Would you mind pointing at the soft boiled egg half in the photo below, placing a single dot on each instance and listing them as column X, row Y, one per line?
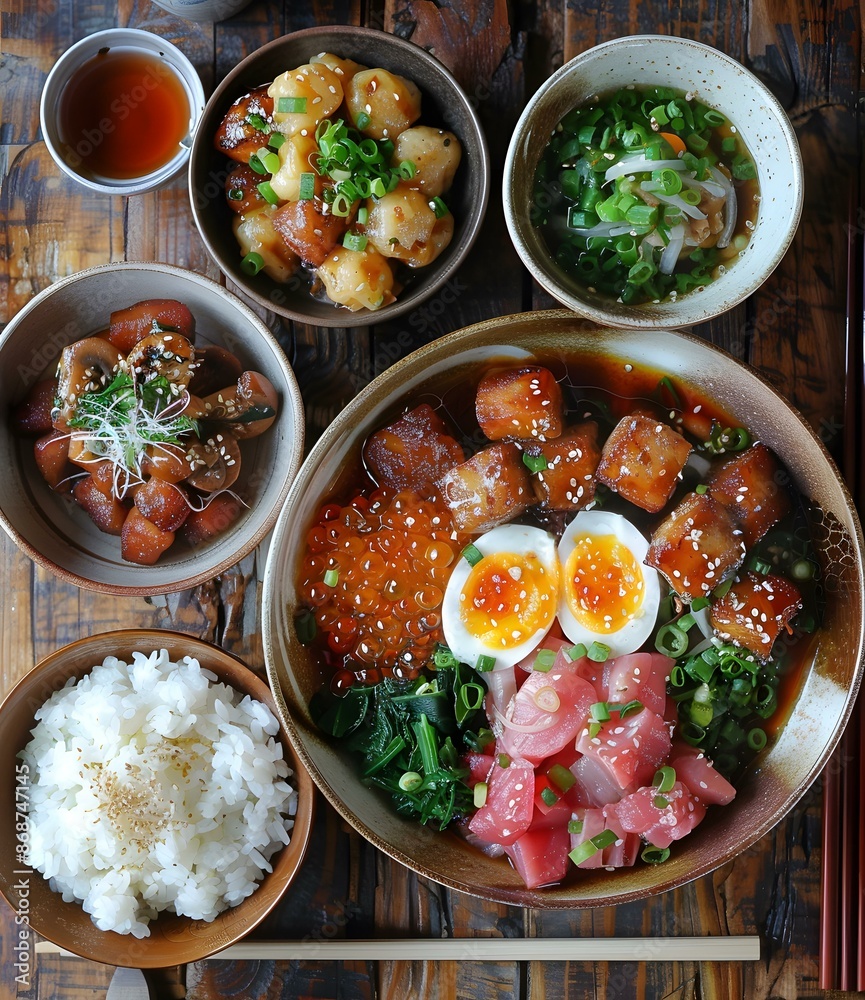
column 502, row 595
column 607, row 593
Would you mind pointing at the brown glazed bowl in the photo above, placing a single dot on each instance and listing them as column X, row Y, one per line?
column 173, row 940
column 52, row 529
column 444, row 105
column 831, row 675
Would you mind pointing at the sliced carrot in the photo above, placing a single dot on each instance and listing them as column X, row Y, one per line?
column 675, row 141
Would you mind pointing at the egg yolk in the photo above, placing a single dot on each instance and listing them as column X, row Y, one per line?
column 507, row 598
column 603, row 583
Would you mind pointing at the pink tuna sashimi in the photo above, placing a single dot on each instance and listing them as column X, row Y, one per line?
column 659, row 826
column 528, row 729
column 622, row 853
column 479, row 766
column 695, row 770
column 631, row 749
column 541, row 855
column 640, row 677
column 501, row 687
column 507, row 812
column 595, row 781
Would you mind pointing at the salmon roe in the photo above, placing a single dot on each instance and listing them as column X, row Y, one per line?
column 374, row 575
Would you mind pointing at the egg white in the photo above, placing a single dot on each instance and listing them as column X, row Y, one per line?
column 518, row 539
column 638, row 627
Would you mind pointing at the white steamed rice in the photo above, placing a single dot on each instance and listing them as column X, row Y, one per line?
column 154, row 787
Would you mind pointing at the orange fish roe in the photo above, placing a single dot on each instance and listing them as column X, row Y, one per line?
column 374, row 576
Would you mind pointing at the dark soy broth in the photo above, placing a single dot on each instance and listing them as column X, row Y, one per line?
column 123, row 115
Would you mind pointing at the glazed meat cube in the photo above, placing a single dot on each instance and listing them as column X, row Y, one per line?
column 491, row 487
column 520, row 403
column 218, row 516
column 568, row 481
column 642, row 461
column 33, row 414
column 754, row 486
column 697, row 546
column 107, row 513
column 307, row 231
column 141, row 541
column 52, row 458
column 239, row 135
column 414, row 452
column 131, row 325
column 754, row 610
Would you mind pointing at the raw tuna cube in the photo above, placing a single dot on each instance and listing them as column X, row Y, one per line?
column 533, row 732
column 519, row 403
column 541, row 855
column 414, row 452
column 595, row 784
column 697, row 546
column 568, row 481
column 626, row 849
column 631, row 749
column 642, row 461
column 696, row 772
column 594, row 822
column 660, row 826
column 490, row 488
column 755, row 488
column 640, row 677
column 509, row 808
column 479, row 766
column 307, row 231
column 754, row 610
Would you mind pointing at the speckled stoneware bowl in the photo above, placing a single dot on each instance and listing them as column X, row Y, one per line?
column 718, row 81
column 173, row 940
column 831, row 678
column 51, row 528
column 444, row 105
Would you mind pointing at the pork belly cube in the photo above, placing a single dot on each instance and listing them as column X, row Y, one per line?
column 568, row 481
column 697, row 546
column 307, row 231
column 520, row 403
column 755, row 487
column 642, row 461
column 491, row 487
column 414, row 452
column 754, row 610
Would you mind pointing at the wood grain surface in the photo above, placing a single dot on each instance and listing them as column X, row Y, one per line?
column 793, row 330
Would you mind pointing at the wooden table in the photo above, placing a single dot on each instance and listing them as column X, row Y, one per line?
column 793, row 331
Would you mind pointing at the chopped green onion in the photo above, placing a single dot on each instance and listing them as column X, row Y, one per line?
column 757, row 738
column 267, row 192
column 504, row 760
column 598, row 652
column 485, row 663
column 362, row 215
column 534, row 463
column 631, row 708
column 305, row 626
column 802, row 569
column 671, row 640
column 699, row 603
column 575, row 826
column 291, row 105
column 583, row 852
column 307, row 186
column 604, row 839
column 236, row 194
column 599, row 711
column 576, row 652
column 655, row 855
column 549, row 797
column 594, row 729
column 544, row 660
column 256, row 164
column 268, row 159
column 362, row 120
column 472, row 554
column 659, row 802
column 443, row 658
column 406, row 170
column 354, row 241
column 665, row 778
column 410, row 781
column 258, row 122
column 276, row 140
column 331, row 577
column 439, row 207
column 701, row 714
column 561, row 777
column 252, row 263
column 665, row 384
column 480, row 794
column 341, row 205
column 686, row 623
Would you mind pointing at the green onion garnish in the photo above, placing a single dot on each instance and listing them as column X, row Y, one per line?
column 671, row 640
column 354, row 241
column 757, row 738
column 258, row 122
column 598, row 652
column 599, row 711
column 659, row 802
column 267, row 192
column 631, row 708
column 504, row 760
column 480, row 794
column 664, row 779
column 307, row 186
column 410, row 781
column 576, row 652
column 472, row 554
column 362, row 215
column 276, row 140
column 362, row 120
column 534, row 463
column 256, row 164
column 699, row 603
column 549, row 797
column 236, row 194
column 252, row 263
column 331, row 578
column 561, row 777
column 485, row 663
column 406, row 170
column 439, row 207
column 544, row 660
column 575, row 826
column 291, row 105
column 655, row 855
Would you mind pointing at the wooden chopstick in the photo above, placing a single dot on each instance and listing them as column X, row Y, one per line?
column 745, row 948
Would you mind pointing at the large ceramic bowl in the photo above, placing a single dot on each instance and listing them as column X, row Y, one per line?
column 716, row 80
column 50, row 528
column 173, row 940
column 444, row 105
column 831, row 677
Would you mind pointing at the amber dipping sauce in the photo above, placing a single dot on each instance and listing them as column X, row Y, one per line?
column 123, row 114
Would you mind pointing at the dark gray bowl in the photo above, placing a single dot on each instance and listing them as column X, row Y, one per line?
column 444, row 105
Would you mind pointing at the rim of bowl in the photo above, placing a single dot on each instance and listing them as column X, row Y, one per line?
column 292, row 402
column 342, row 317
column 634, row 318
column 382, row 387
column 260, row 691
column 74, row 57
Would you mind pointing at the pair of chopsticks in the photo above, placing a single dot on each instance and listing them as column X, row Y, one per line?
column 842, row 902
column 745, row 948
